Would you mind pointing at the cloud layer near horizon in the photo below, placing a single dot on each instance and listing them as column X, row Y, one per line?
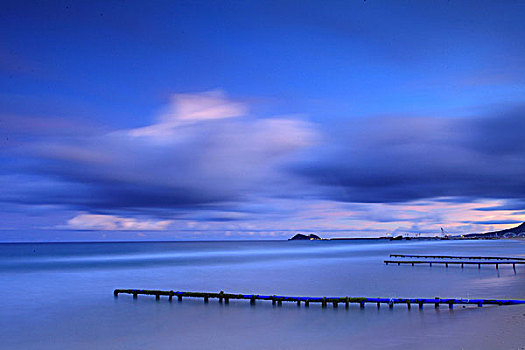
column 206, row 159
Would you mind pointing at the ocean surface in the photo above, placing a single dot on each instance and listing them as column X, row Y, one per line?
column 60, row 296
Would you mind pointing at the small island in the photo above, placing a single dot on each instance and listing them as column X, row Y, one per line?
column 301, row 237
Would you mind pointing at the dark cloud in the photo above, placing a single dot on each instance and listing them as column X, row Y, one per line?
column 496, row 222
column 398, row 159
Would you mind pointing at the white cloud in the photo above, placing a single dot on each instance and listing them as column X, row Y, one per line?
column 115, row 223
column 187, row 109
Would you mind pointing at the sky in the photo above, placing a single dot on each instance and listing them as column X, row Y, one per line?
column 211, row 120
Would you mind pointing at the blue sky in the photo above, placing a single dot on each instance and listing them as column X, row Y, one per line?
column 255, row 119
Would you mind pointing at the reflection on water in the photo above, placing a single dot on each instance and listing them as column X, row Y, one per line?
column 63, row 294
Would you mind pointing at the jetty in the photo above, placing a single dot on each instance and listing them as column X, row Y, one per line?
column 324, row 301
column 454, row 257
column 455, row 262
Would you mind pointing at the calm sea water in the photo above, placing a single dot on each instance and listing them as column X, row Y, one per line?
column 59, row 296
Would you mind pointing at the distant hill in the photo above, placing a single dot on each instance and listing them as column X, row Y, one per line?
column 515, row 232
column 301, row 237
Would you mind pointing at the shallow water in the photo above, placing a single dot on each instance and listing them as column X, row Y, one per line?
column 59, row 296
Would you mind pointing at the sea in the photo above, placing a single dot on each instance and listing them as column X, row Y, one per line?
column 60, row 295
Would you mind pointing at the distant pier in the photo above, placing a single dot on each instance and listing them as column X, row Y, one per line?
column 454, row 257
column 324, row 301
column 454, row 262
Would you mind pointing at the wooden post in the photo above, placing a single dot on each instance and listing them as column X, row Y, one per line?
column 115, row 293
column 206, row 299
column 446, row 264
column 334, row 304
column 378, row 305
column 179, row 297
column 135, row 295
column 436, row 304
column 307, row 303
column 252, row 300
column 279, row 302
column 450, row 306
column 420, row 305
column 346, row 302
column 496, row 266
column 362, row 305
column 226, row 300
column 408, row 304
column 461, row 265
column 323, row 303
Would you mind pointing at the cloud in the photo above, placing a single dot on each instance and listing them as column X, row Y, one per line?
column 186, row 109
column 115, row 223
column 203, row 149
column 208, row 164
column 400, row 159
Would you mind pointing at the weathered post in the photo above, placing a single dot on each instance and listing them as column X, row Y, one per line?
column 135, row 295
column 436, row 304
column 408, row 304
column 323, row 303
column 307, row 303
column 362, row 304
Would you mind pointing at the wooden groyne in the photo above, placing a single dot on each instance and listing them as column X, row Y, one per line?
column 454, row 262
column 454, row 257
column 324, row 301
